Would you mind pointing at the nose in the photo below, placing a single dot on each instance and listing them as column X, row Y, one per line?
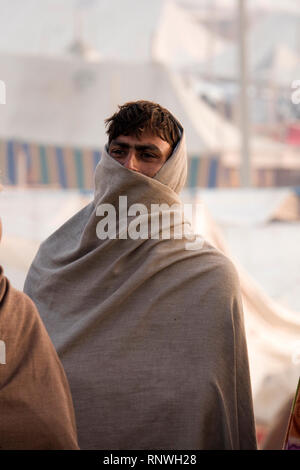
column 131, row 161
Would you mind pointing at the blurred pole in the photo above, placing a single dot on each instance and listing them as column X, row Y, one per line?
column 245, row 168
column 210, row 44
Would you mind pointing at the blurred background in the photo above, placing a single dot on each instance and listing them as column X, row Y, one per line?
column 229, row 70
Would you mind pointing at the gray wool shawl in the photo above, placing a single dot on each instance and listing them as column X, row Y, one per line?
column 151, row 335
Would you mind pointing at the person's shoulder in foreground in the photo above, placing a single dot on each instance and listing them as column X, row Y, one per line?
column 153, row 339
column 35, row 403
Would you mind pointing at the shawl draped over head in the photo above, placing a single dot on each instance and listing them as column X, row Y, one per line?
column 36, row 410
column 151, row 334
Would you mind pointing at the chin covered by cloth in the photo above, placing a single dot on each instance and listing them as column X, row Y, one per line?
column 150, row 334
column 36, row 410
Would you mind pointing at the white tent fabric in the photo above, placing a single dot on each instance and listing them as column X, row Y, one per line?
column 223, row 6
column 281, row 66
column 109, row 30
column 270, row 253
column 111, row 27
column 247, row 206
column 65, row 102
column 223, row 137
column 180, row 41
column 265, row 43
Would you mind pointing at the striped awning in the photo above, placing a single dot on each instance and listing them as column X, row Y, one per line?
column 32, row 164
column 36, row 164
column 204, row 172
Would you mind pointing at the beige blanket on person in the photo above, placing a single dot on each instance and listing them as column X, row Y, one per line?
column 151, row 334
column 36, row 410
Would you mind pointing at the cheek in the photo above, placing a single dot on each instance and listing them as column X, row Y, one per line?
column 151, row 169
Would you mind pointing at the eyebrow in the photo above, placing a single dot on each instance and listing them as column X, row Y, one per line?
column 122, row 144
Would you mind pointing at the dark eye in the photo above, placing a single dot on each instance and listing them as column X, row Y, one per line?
column 117, row 152
column 148, row 155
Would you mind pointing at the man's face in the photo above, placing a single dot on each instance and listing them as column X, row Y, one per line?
column 145, row 155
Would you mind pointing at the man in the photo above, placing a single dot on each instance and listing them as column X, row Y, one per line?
column 150, row 332
column 36, row 410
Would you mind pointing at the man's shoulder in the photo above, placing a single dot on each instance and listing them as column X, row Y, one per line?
column 211, row 262
column 224, row 267
column 218, row 288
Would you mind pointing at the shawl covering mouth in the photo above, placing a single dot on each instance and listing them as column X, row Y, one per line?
column 36, row 410
column 150, row 334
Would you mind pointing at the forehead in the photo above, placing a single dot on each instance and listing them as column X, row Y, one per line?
column 145, row 140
